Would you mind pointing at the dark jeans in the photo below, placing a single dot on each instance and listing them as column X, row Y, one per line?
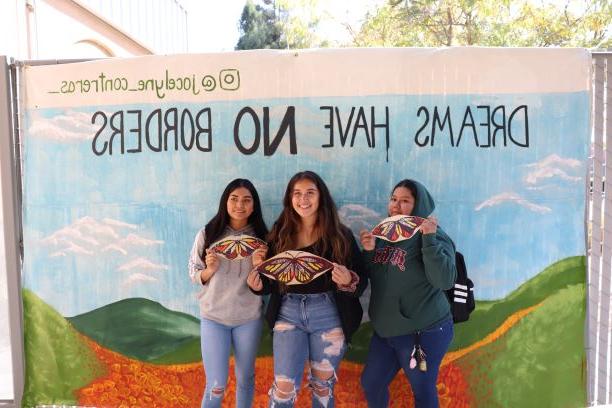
column 387, row 355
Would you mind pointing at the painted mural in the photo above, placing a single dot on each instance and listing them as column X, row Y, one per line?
column 124, row 160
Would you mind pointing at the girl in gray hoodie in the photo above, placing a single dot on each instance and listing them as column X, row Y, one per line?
column 230, row 312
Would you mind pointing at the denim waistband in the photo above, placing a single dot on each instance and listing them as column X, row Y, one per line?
column 300, row 296
column 446, row 319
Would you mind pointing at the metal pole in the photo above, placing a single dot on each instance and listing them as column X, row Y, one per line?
column 12, row 232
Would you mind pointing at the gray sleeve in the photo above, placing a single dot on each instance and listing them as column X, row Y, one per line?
column 196, row 263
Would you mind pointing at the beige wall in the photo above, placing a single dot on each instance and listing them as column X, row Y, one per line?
column 6, row 366
column 13, row 39
column 61, row 29
column 58, row 29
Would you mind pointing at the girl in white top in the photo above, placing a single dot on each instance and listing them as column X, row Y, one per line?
column 230, row 312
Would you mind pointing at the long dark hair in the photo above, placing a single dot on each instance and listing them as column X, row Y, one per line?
column 217, row 224
column 328, row 228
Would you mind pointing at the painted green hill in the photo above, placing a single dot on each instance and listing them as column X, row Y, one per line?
column 191, row 352
column 176, row 349
column 57, row 359
column 139, row 328
column 188, row 352
column 539, row 363
column 489, row 315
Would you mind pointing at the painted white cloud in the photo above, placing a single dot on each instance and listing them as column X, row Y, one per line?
column 358, row 217
column 71, row 127
column 552, row 166
column 555, row 159
column 512, row 198
column 68, row 234
column 113, row 247
column 116, row 223
column 86, row 236
column 95, row 227
column 133, row 239
column 534, row 176
column 76, row 249
column 141, row 264
column 137, row 278
column 356, row 211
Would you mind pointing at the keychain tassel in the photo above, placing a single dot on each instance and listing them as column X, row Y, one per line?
column 413, row 361
column 420, row 356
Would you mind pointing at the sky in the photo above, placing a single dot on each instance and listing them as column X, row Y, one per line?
column 121, row 226
column 213, row 31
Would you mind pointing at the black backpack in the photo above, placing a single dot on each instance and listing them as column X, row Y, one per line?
column 461, row 296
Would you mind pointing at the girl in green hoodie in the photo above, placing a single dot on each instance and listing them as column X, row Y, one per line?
column 410, row 314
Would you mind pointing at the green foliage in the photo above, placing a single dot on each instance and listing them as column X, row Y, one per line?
column 259, row 28
column 139, row 328
column 58, row 362
column 432, row 23
column 276, row 24
column 546, row 25
column 299, row 20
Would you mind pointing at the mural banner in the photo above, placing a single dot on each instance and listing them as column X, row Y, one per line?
column 124, row 160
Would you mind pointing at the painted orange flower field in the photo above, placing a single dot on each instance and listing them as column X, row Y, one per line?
column 131, row 383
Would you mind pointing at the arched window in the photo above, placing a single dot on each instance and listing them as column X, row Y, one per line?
column 90, row 48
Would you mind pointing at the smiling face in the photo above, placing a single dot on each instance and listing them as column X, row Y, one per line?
column 305, row 199
column 401, row 202
column 239, row 207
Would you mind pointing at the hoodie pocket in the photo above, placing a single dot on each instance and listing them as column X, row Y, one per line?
column 387, row 309
column 405, row 308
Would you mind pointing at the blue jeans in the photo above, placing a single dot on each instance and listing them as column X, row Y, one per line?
column 307, row 327
column 216, row 340
column 387, row 355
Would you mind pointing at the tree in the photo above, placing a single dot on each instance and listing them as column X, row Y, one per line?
column 259, row 28
column 570, row 26
column 484, row 22
column 280, row 24
column 299, row 20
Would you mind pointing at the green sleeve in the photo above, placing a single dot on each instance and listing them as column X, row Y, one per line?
column 359, row 267
column 439, row 260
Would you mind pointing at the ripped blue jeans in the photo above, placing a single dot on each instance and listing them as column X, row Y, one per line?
column 308, row 327
column 216, row 341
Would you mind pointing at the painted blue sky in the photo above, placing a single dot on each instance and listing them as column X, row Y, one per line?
column 102, row 228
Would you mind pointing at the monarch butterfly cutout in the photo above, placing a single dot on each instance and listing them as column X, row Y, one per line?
column 237, row 247
column 294, row 267
column 398, row 227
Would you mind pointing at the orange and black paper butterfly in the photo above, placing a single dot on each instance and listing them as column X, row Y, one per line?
column 294, row 267
column 398, row 227
column 237, row 246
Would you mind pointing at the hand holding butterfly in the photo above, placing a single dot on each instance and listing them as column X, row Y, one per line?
column 368, row 240
column 341, row 275
column 212, row 264
column 430, row 225
column 254, row 281
column 259, row 255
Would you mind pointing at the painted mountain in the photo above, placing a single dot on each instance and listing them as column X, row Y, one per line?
column 532, row 336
